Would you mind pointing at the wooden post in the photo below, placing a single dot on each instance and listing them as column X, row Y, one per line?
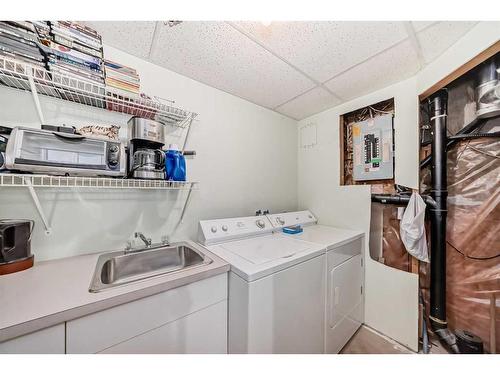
column 493, row 331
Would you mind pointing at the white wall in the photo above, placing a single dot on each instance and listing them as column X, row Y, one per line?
column 391, row 298
column 246, row 160
column 349, row 206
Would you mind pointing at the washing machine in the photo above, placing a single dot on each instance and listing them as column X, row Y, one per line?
column 344, row 273
column 276, row 286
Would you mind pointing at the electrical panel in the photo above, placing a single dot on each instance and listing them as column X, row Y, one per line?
column 373, row 149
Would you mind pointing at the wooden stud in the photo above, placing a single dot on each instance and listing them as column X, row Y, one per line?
column 493, row 331
column 342, row 149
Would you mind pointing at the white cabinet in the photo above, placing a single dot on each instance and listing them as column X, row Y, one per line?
column 46, row 341
column 203, row 332
column 195, row 313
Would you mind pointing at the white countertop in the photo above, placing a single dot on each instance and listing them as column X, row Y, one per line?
column 56, row 291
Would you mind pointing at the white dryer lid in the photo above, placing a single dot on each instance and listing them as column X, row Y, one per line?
column 325, row 235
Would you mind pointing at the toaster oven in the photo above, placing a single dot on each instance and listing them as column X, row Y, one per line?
column 43, row 151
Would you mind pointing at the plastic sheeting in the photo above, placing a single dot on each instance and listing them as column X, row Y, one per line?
column 394, row 253
column 473, row 235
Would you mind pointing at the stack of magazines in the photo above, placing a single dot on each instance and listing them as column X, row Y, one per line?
column 19, row 40
column 75, row 50
column 121, row 80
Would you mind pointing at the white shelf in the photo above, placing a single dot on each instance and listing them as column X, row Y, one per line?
column 46, row 181
column 18, row 74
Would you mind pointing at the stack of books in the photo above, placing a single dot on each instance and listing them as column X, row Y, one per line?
column 70, row 56
column 19, row 41
column 121, row 80
column 75, row 50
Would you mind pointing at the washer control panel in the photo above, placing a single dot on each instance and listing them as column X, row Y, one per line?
column 288, row 219
column 221, row 230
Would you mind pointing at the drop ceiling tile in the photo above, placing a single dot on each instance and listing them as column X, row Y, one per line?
column 437, row 38
column 323, row 49
column 305, row 105
column 133, row 37
column 391, row 66
column 420, row 25
column 220, row 56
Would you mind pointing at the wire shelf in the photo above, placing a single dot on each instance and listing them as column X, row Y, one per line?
column 46, row 181
column 17, row 74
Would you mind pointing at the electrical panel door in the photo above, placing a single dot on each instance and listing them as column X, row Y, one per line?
column 373, row 149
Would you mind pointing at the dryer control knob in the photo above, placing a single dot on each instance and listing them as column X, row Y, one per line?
column 213, row 229
column 280, row 221
column 261, row 224
column 224, row 228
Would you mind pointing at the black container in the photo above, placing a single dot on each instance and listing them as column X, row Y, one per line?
column 468, row 343
column 15, row 240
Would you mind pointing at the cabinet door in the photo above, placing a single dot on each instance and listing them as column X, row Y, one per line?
column 96, row 332
column 46, row 341
column 203, row 332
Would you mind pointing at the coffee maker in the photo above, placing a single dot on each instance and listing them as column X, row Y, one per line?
column 146, row 160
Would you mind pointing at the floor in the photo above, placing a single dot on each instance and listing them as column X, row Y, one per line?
column 369, row 341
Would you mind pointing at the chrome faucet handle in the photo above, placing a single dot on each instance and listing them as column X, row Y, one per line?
column 165, row 240
column 147, row 241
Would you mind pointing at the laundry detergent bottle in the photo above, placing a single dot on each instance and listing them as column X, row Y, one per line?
column 175, row 164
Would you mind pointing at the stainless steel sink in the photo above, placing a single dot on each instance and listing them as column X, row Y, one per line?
column 118, row 268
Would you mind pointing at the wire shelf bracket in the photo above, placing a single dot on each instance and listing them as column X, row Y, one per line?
column 38, row 206
column 36, row 99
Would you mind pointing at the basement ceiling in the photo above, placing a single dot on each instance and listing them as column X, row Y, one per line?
column 295, row 68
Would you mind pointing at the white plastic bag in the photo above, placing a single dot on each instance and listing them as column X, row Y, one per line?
column 412, row 228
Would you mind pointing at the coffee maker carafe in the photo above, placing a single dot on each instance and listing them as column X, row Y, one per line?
column 146, row 160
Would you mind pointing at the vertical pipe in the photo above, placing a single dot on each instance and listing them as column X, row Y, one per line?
column 438, row 213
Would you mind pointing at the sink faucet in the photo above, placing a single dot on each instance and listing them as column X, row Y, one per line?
column 147, row 241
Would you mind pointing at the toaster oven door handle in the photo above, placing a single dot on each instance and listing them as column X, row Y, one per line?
column 68, row 136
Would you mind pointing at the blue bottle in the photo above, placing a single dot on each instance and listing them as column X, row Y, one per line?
column 175, row 164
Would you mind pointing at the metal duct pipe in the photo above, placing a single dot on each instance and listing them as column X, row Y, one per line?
column 487, row 100
column 438, row 212
column 487, row 89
